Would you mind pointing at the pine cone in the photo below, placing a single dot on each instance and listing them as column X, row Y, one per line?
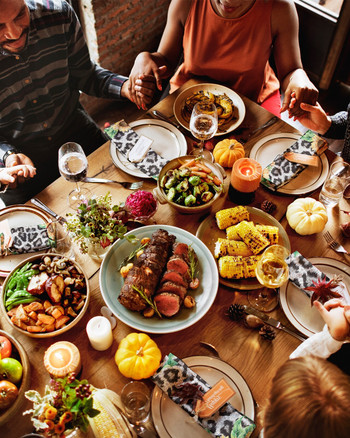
column 268, row 206
column 267, row 332
column 236, row 312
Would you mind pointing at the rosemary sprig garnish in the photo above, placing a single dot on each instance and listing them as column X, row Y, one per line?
column 193, row 260
column 148, row 300
column 131, row 255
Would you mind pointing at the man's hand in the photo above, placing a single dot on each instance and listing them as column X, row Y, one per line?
column 315, row 118
column 18, row 159
column 336, row 316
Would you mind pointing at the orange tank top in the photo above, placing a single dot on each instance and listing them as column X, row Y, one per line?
column 231, row 51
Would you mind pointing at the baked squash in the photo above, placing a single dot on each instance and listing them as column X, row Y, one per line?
column 307, row 216
column 227, row 151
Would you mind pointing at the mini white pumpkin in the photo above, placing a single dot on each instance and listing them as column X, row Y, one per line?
column 307, row 216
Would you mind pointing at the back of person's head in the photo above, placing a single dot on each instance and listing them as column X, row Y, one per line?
column 309, row 398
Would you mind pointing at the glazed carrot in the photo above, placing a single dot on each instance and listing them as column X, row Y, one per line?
column 204, row 167
column 202, row 174
column 188, row 163
column 216, row 181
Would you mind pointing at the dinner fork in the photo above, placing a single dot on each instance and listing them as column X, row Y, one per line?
column 334, row 244
column 127, row 185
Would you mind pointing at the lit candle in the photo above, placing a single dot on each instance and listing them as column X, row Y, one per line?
column 245, row 179
column 99, row 332
column 62, row 358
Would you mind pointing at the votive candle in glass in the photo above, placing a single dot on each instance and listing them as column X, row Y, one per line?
column 245, row 179
column 62, row 358
column 99, row 332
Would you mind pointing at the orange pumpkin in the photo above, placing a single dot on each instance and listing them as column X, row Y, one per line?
column 227, row 151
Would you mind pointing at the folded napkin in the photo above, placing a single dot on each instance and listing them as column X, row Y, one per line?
column 136, row 149
column 226, row 422
column 280, row 171
column 24, row 239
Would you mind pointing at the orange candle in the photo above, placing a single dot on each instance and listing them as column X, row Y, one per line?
column 246, row 175
column 62, row 358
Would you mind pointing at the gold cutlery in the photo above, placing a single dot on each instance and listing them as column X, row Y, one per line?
column 334, row 244
column 127, row 185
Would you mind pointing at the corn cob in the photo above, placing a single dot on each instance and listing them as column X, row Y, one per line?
column 231, row 232
column 236, row 267
column 252, row 237
column 231, row 247
column 270, row 232
column 250, row 265
column 231, row 216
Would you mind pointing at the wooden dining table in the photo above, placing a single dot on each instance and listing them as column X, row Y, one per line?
column 255, row 358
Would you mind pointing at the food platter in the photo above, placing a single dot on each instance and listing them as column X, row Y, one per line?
column 239, row 107
column 308, row 180
column 171, row 421
column 167, row 141
column 296, row 304
column 19, row 215
column 111, row 283
column 208, row 232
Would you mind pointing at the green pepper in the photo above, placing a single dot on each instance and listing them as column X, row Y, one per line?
column 171, row 194
column 207, row 196
column 190, row 200
column 194, row 180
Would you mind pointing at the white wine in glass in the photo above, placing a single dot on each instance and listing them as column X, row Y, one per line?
column 272, row 272
column 203, row 125
column 73, row 165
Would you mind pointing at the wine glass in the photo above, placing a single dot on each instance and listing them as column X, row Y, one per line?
column 203, row 125
column 272, row 272
column 72, row 164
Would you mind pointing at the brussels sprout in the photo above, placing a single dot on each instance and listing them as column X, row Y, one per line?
column 207, row 196
column 171, row 193
column 182, row 186
column 171, row 182
column 203, row 187
column 164, row 180
column 185, row 171
column 194, row 180
column 190, row 200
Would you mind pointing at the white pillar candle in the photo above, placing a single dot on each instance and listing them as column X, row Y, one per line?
column 99, row 332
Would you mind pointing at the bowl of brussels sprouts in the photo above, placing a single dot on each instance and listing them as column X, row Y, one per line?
column 190, row 184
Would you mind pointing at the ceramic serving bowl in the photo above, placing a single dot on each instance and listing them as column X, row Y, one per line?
column 161, row 196
column 74, row 297
column 19, row 353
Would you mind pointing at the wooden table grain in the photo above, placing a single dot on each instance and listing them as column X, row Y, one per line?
column 254, row 358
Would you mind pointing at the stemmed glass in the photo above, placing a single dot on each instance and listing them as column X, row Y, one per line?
column 72, row 164
column 203, row 125
column 272, row 272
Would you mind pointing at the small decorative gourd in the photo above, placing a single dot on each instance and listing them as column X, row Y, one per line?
column 138, row 356
column 227, row 151
column 307, row 216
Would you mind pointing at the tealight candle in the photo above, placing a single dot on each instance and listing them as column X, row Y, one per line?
column 62, row 358
column 245, row 179
column 99, row 332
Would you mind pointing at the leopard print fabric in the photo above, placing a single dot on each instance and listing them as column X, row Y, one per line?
column 28, row 239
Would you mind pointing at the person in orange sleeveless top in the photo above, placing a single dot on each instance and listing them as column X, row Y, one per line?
column 230, row 42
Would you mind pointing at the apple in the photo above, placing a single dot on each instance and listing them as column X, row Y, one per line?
column 5, row 347
column 8, row 394
column 11, row 369
column 54, row 287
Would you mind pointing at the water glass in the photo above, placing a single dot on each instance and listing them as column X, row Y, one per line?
column 136, row 398
column 333, row 187
column 62, row 241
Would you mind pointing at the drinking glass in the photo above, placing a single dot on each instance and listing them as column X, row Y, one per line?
column 62, row 241
column 72, row 164
column 333, row 187
column 135, row 397
column 272, row 272
column 203, row 125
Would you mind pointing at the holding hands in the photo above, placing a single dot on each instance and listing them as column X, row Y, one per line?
column 9, row 175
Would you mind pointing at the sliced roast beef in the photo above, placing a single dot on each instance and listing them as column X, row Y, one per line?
column 181, row 249
column 168, row 304
column 175, row 277
column 177, row 264
column 174, row 288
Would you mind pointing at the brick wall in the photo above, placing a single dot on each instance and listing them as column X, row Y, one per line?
column 125, row 28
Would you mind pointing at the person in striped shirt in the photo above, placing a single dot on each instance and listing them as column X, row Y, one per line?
column 44, row 64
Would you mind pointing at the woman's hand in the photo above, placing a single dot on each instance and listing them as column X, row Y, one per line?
column 336, row 316
column 314, row 118
column 28, row 171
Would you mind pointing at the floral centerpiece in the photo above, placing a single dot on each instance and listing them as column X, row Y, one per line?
column 98, row 222
column 66, row 405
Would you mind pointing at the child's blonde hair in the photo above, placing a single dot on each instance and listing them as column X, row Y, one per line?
column 309, row 398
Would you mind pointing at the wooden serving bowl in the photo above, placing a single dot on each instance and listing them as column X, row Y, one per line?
column 19, row 353
column 61, row 330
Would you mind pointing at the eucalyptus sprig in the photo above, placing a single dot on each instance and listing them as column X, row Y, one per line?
column 148, row 300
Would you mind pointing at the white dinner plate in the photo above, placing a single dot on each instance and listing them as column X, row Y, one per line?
column 171, row 421
column 19, row 215
column 308, row 180
column 167, row 141
column 239, row 107
column 297, row 305
column 208, row 232
column 111, row 283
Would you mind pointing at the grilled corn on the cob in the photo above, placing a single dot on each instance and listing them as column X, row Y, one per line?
column 252, row 237
column 231, row 216
column 270, row 232
column 231, row 232
column 231, row 247
column 237, row 267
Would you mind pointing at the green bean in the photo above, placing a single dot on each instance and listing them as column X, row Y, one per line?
column 21, row 301
column 18, row 294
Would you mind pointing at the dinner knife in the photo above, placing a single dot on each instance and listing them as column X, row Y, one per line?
column 166, row 119
column 48, row 210
column 271, row 321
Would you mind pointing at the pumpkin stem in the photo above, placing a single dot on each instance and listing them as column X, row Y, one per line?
column 139, row 352
column 309, row 212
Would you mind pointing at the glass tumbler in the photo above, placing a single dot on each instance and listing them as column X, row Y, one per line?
column 333, row 187
column 136, row 398
column 62, row 243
